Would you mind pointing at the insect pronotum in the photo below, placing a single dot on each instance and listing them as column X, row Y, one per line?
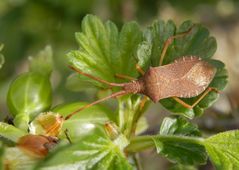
column 186, row 77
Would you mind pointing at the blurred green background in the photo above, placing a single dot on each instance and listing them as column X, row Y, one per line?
column 27, row 26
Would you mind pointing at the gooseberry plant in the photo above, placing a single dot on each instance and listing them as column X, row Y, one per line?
column 100, row 137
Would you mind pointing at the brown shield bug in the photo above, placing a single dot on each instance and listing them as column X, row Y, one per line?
column 186, row 77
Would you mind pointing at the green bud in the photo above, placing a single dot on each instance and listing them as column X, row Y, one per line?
column 29, row 95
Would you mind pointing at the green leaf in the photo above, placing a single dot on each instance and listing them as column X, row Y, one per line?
column 92, row 152
column 76, row 82
column 223, row 150
column 42, row 63
column 178, row 126
column 184, row 150
column 182, row 167
column 104, row 51
column 156, row 35
column 17, row 159
column 10, row 132
column 198, row 43
column 84, row 122
column 144, row 54
column 141, row 126
column 181, row 149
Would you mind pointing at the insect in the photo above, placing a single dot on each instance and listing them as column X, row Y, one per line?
column 37, row 145
column 186, row 77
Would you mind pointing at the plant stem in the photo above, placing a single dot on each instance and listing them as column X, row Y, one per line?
column 127, row 111
column 137, row 162
column 145, row 142
column 138, row 114
column 10, row 132
column 21, row 121
column 121, row 116
column 140, row 143
column 128, row 117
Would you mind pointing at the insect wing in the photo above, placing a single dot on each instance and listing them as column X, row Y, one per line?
column 194, row 76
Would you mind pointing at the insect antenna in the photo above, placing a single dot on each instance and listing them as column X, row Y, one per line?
column 116, row 94
column 120, row 93
column 96, row 78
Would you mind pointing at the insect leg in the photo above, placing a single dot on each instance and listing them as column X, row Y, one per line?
column 121, row 76
column 96, row 78
column 198, row 100
column 142, row 102
column 139, row 69
column 68, row 136
column 116, row 94
column 169, row 41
